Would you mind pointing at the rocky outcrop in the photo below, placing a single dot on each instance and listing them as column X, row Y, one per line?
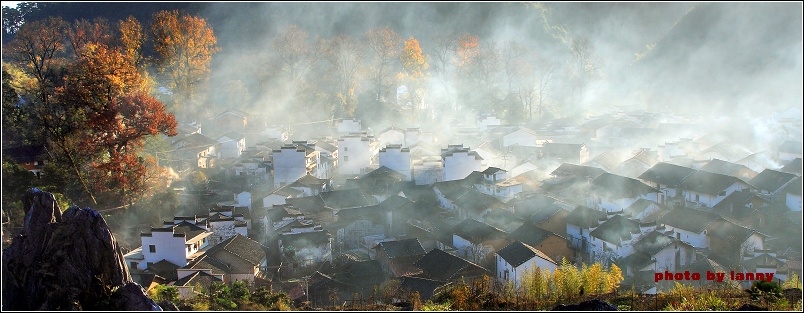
column 591, row 305
column 68, row 261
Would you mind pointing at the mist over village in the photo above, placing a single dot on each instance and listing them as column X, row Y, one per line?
column 436, row 156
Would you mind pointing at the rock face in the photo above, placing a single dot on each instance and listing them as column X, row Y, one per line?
column 591, row 305
column 67, row 261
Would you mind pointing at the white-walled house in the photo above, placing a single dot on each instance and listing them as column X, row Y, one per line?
column 391, row 136
column 197, row 149
column 427, row 170
column 517, row 259
column 613, row 239
column 486, row 121
column 580, row 222
column 397, row 158
column 613, row 193
column 706, row 189
column 176, row 244
column 357, row 153
column 522, row 136
column 659, row 252
column 346, row 126
column 292, row 161
column 459, row 162
column 232, row 145
column 666, row 178
column 689, row 225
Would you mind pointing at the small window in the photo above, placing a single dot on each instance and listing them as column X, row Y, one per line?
column 345, row 149
column 134, row 265
column 152, row 248
column 346, row 158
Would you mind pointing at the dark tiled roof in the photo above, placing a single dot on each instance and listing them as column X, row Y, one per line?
column 476, row 231
column 723, row 167
column 794, row 167
column 738, row 204
column 617, row 186
column 562, row 149
column 207, row 262
column 475, row 201
column 189, row 230
column 528, row 204
column 401, row 248
column 546, row 212
column 425, row 287
column 639, row 206
column 729, row 232
column 530, row 235
column 198, row 278
column 165, row 269
column 349, row 198
column 503, row 219
column 771, row 180
column 441, row 265
column 689, row 219
column 518, row 252
column 308, row 239
column 708, row 183
column 667, row 174
column 585, row 217
column 580, row 171
column 616, row 230
column 244, row 247
column 653, row 242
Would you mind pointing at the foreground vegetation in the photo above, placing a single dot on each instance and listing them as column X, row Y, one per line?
column 568, row 287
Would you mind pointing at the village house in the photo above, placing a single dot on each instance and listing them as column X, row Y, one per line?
column 293, row 161
column 195, row 150
column 31, row 157
column 705, row 189
column 397, row 257
column 232, row 145
column 790, row 150
column 391, row 136
column 643, row 160
column 645, row 211
column 441, row 266
column 427, row 170
column 744, row 208
column 553, row 245
column 552, row 217
column 306, row 249
column 238, row 258
column 397, row 158
column 459, row 162
column 349, row 125
column 475, row 240
column 521, row 136
column 719, row 166
column 580, row 222
column 486, row 121
column 496, row 183
column 177, row 244
column 612, row 193
column 655, row 253
column 770, row 182
column 759, row 161
column 517, row 259
column 566, row 152
column 608, row 161
column 613, row 239
column 689, row 225
column 730, row 242
column 232, row 120
column 666, row 178
column 357, row 153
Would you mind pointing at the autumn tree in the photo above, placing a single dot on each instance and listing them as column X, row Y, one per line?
column 442, row 52
column 185, row 45
column 94, row 108
column 132, row 39
column 344, row 55
column 414, row 74
column 83, row 32
column 386, row 46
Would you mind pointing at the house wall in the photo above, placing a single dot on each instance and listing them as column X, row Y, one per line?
column 349, row 126
column 711, row 200
column 793, row 202
column 168, row 247
column 666, row 258
column 556, row 223
column 520, row 137
column 698, row 240
column 518, row 274
column 355, row 154
column 459, row 165
column 397, row 160
column 391, row 137
column 289, row 165
column 468, row 250
column 232, row 148
column 427, row 173
column 556, row 248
